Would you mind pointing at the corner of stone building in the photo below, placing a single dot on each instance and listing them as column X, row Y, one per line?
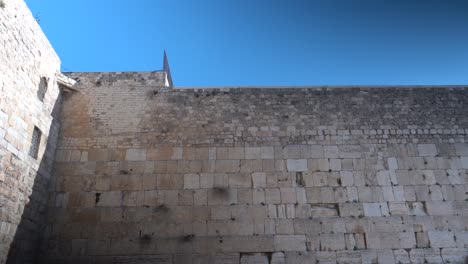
column 30, row 101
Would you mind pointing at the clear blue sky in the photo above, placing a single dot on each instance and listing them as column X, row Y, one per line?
column 264, row 42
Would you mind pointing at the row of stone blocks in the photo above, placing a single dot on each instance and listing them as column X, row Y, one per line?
column 265, row 152
column 401, row 256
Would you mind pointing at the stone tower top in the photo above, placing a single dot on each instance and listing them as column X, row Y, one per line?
column 167, row 70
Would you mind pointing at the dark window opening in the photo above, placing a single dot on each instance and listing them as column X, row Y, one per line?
column 42, row 89
column 35, row 142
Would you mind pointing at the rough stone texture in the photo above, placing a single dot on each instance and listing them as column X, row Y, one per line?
column 144, row 173
column 333, row 175
column 25, row 57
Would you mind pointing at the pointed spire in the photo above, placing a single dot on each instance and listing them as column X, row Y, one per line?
column 167, row 69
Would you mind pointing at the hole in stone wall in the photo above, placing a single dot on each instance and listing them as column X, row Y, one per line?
column 98, row 196
column 42, row 90
column 35, row 142
column 300, row 179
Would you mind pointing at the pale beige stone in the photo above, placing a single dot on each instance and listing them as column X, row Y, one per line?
column 441, row 239
column 227, row 166
column 427, row 150
column 135, row 154
column 290, row 243
column 253, row 153
column 191, row 181
column 267, row 153
column 297, row 164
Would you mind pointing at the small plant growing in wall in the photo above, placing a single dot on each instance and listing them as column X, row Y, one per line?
column 37, row 17
column 2, row 4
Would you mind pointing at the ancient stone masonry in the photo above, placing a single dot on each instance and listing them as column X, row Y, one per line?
column 124, row 168
column 259, row 175
column 29, row 100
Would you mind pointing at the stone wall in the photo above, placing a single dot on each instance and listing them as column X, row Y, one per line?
column 25, row 57
column 147, row 174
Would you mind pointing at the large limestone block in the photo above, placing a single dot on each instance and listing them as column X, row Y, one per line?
column 292, row 152
column 106, row 199
column 240, row 180
column 392, row 163
column 347, row 178
column 278, row 258
column 330, row 242
column 290, row 243
column 427, row 150
column 398, row 208
column 227, row 166
column 461, row 149
column 170, row 181
column 350, row 151
column 331, row 152
column 300, row 257
column 454, row 255
column 323, row 164
column 327, row 257
column 98, row 155
column 135, row 154
column 191, row 181
column 407, row 240
column 372, row 209
column 311, row 151
column 256, row 258
column 164, row 153
column 267, row 153
column 439, row 208
column 288, row 195
column 441, row 239
column 464, row 162
column 259, row 179
column 348, row 256
column 297, row 164
column 237, row 243
column 272, row 196
column 253, row 153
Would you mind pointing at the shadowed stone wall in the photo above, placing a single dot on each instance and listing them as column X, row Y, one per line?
column 147, row 174
column 25, row 57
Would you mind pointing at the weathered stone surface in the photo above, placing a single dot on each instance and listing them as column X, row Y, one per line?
column 146, row 172
column 427, row 150
column 30, row 100
column 135, row 154
column 330, row 242
column 290, row 243
column 255, row 258
column 441, row 239
column 297, row 165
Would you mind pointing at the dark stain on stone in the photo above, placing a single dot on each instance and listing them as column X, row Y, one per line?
column 162, row 208
column 145, row 238
column 187, row 238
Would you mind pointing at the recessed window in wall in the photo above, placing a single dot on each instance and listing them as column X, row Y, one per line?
column 35, row 142
column 42, row 89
